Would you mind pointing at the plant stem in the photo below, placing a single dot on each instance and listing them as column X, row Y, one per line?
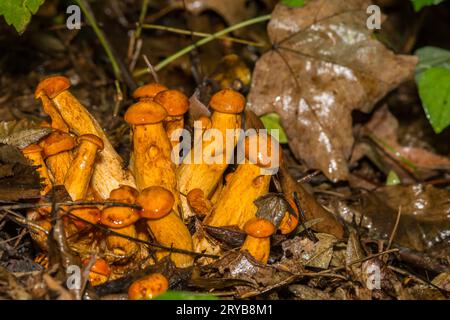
column 99, row 33
column 201, row 42
column 200, row 34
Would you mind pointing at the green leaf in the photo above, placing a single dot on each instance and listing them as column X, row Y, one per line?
column 18, row 12
column 419, row 4
column 434, row 91
column 271, row 122
column 392, row 179
column 185, row 295
column 430, row 57
column 293, row 3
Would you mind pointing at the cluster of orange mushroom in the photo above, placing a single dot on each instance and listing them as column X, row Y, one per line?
column 153, row 197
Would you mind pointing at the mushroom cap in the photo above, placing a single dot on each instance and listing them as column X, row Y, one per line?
column 175, row 102
column 32, row 148
column 156, row 202
column 92, row 138
column 123, row 193
column 227, row 101
column 52, row 86
column 205, row 122
column 148, row 287
column 89, row 214
column 262, row 157
column 100, row 266
column 119, row 217
column 149, row 90
column 259, row 228
column 57, row 142
column 145, row 112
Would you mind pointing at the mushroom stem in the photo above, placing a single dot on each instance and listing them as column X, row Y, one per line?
column 235, row 205
column 57, row 151
column 33, row 152
column 259, row 248
column 109, row 172
column 227, row 105
column 82, row 167
column 250, row 181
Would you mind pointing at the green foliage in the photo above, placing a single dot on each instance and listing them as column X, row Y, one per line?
column 430, row 57
column 293, row 3
column 434, row 91
column 419, row 4
column 392, row 179
column 185, row 295
column 271, row 122
column 18, row 12
column 433, row 80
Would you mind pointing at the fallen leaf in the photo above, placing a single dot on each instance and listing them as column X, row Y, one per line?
column 327, row 63
column 308, row 253
column 272, row 207
column 383, row 127
column 424, row 220
column 21, row 134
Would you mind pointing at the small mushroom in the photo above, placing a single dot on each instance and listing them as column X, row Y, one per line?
column 121, row 220
column 90, row 214
column 109, row 171
column 176, row 105
column 250, row 181
column 227, row 105
column 152, row 164
column 82, row 167
column 148, row 287
column 57, row 153
column 99, row 273
column 33, row 152
column 289, row 221
column 148, row 91
column 118, row 216
column 257, row 242
column 198, row 203
column 165, row 225
column 121, row 247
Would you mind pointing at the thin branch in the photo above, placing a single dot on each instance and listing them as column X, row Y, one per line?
column 201, row 34
column 202, row 42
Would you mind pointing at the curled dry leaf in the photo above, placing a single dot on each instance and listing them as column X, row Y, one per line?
column 327, row 63
column 383, row 126
column 21, row 134
column 272, row 207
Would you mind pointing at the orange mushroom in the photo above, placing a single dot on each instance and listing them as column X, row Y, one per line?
column 80, row 172
column 151, row 158
column 227, row 105
column 165, row 225
column 99, row 273
column 176, row 105
column 56, row 149
column 148, row 287
column 257, row 242
column 33, row 152
column 148, row 91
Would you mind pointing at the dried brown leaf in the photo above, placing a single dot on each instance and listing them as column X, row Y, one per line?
column 327, row 63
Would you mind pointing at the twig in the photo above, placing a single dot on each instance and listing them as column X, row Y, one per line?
column 201, row 34
column 394, row 230
column 202, row 42
column 99, row 33
column 150, row 244
column 150, row 68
